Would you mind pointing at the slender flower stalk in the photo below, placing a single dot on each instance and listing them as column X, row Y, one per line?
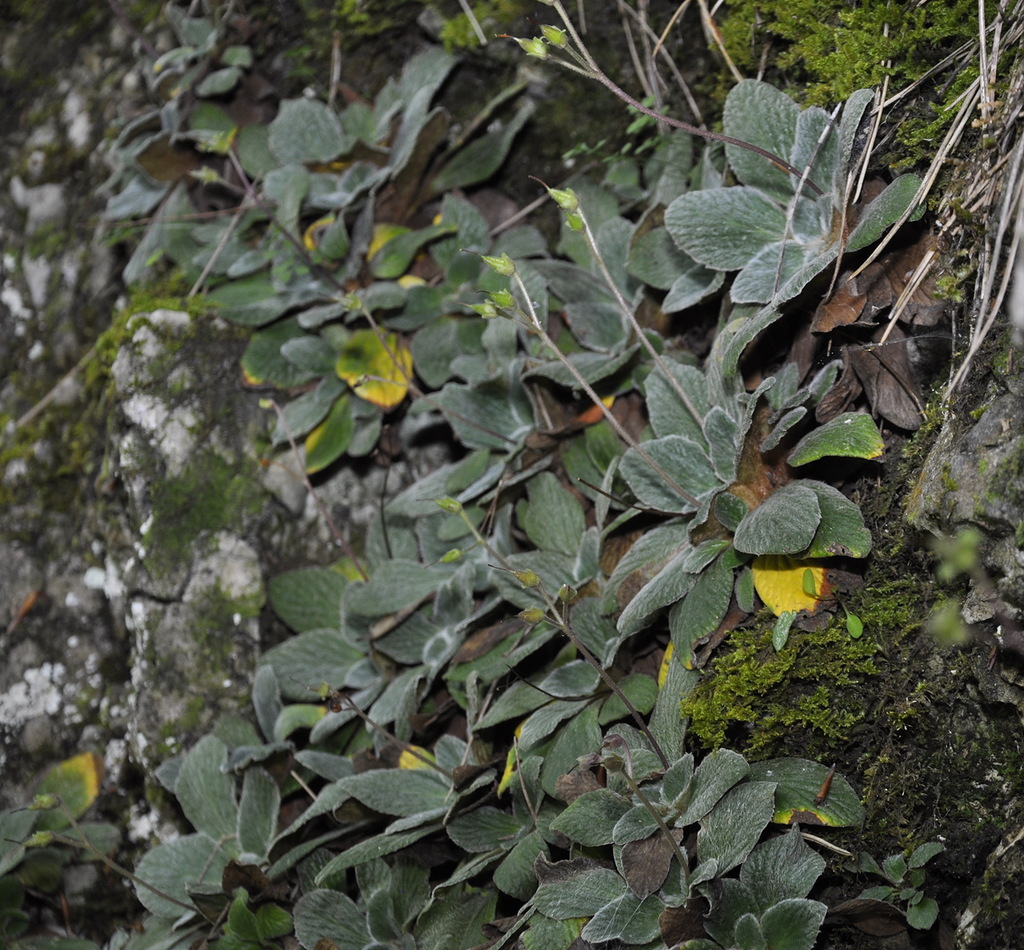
column 584, row 64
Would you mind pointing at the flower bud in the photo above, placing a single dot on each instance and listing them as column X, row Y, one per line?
column 531, row 615
column 45, row 801
column 450, row 557
column 566, row 593
column 526, row 577
column 555, row 36
column 504, row 265
column 534, row 47
column 503, row 298
column 486, row 310
column 565, row 198
column 450, row 505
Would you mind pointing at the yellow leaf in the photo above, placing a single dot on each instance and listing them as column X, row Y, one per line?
column 328, row 441
column 377, row 373
column 663, row 672
column 409, row 760
column 382, row 233
column 311, row 237
column 77, row 782
column 510, row 761
column 780, row 583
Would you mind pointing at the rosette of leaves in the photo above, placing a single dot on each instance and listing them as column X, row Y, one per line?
column 905, row 883
column 317, row 238
column 683, row 855
column 427, row 608
column 38, row 842
column 248, row 841
column 407, row 280
column 779, row 231
column 738, row 497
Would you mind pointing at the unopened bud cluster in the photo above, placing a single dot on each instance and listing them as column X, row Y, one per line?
column 538, row 45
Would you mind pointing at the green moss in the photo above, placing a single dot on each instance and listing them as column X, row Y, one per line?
column 211, row 495
column 810, row 689
column 458, row 32
column 890, row 609
column 38, row 51
column 362, row 18
column 48, row 241
column 75, row 430
column 829, row 48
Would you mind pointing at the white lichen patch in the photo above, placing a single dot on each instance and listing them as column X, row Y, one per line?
column 134, row 362
column 145, row 825
column 38, row 694
column 169, row 428
column 77, row 121
column 233, row 567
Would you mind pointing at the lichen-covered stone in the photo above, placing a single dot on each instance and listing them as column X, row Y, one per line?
column 974, row 478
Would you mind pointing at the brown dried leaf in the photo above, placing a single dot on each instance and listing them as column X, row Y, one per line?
column 571, row 786
column 860, row 299
column 558, row 872
column 870, row 916
column 889, row 381
column 841, row 396
column 645, row 863
column 483, row 641
column 164, row 160
column 842, row 308
column 679, row 924
column 248, row 876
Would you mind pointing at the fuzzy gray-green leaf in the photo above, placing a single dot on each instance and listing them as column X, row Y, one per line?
column 482, row 157
column 884, row 211
column 394, row 585
column 719, row 772
column 691, row 286
column 849, row 125
column 793, row 924
column 725, row 228
column 483, row 829
column 722, row 434
column 173, row 866
column 851, row 435
column 628, row 919
column 703, row 608
column 591, row 818
column 734, row 825
column 582, row 895
column 668, row 413
column 554, row 517
column 758, row 113
column 666, row 587
column 842, row 531
column 206, row 794
column 656, row 259
column 403, row 792
column 329, row 915
column 306, row 131
column 784, row 523
column 515, row 875
column 816, row 144
column 580, row 736
column 257, row 811
column 682, row 459
column 781, row 868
